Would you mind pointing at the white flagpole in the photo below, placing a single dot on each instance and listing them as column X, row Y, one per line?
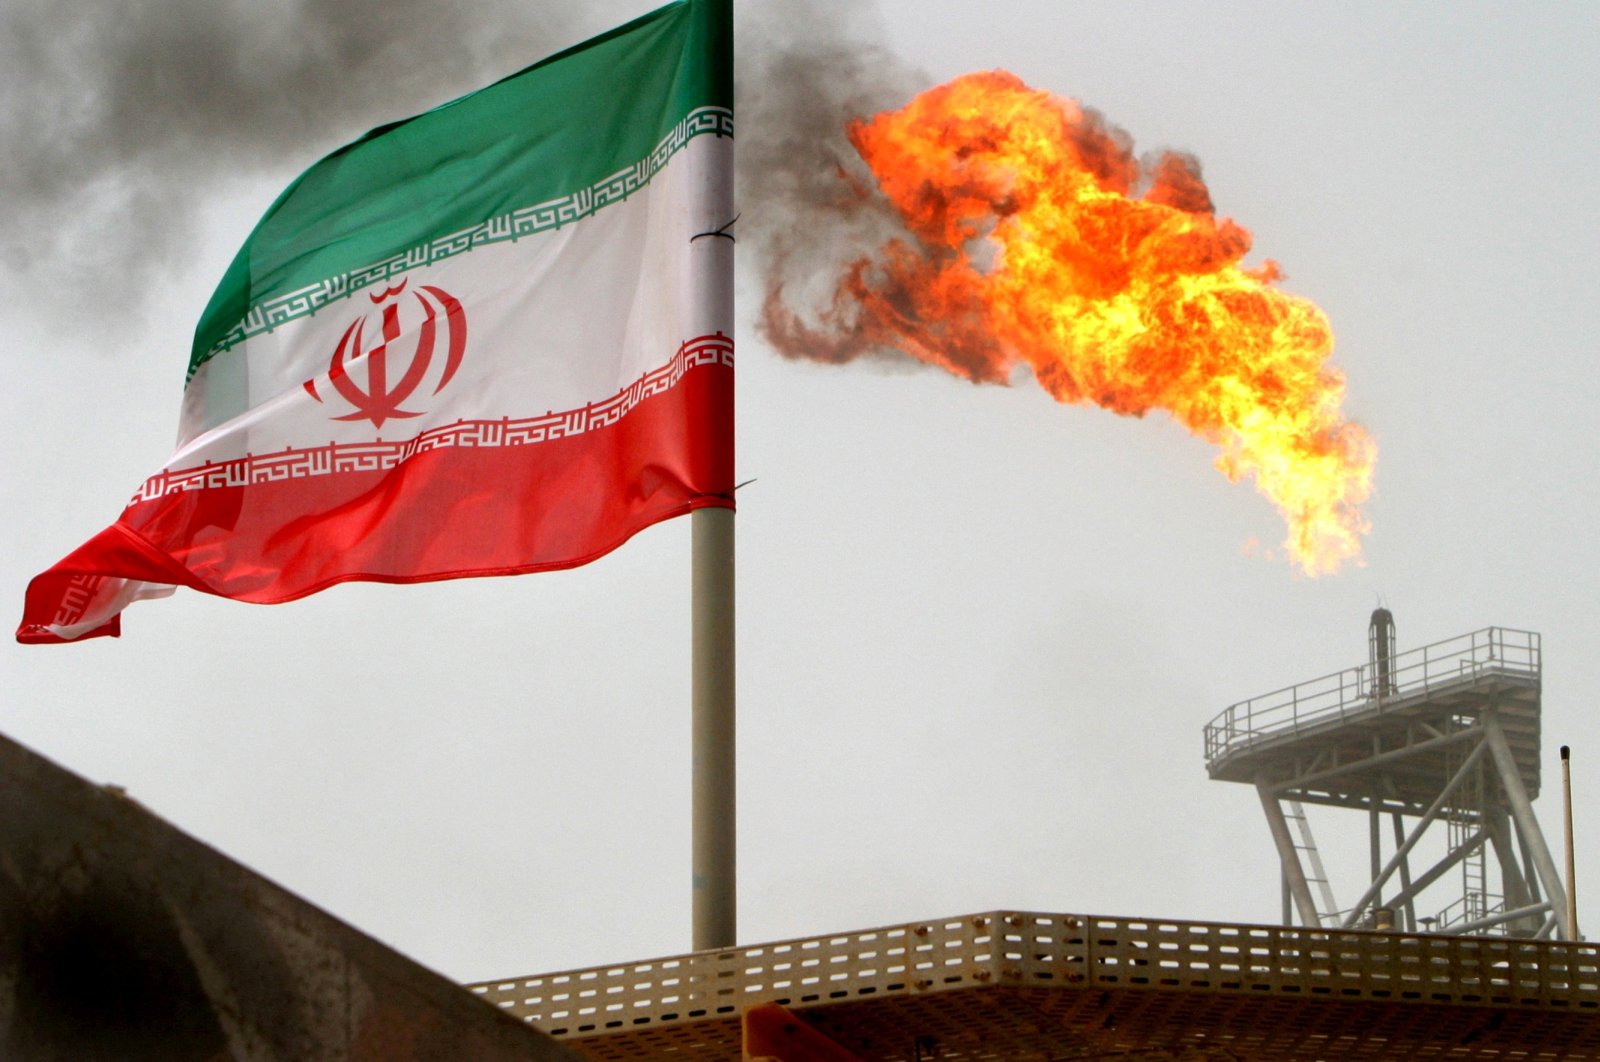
column 715, row 899
column 714, row 861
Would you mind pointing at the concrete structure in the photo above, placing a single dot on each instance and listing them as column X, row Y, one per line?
column 123, row 938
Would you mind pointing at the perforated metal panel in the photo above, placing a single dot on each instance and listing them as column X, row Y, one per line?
column 1013, row 985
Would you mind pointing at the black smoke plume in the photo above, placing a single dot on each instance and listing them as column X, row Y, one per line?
column 118, row 120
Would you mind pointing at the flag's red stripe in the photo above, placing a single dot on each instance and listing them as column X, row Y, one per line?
column 442, row 514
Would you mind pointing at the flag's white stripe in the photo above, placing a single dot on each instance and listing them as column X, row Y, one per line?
column 378, row 455
column 513, row 225
column 99, row 597
column 558, row 320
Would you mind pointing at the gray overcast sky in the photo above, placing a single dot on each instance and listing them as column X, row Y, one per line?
column 979, row 632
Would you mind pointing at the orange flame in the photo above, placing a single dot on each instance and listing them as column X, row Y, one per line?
column 1027, row 245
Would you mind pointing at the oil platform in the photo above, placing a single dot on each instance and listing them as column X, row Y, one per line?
column 124, row 938
column 1446, row 734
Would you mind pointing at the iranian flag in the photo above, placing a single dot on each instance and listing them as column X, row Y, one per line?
column 490, row 339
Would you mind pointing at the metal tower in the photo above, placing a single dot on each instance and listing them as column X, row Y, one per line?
column 1449, row 734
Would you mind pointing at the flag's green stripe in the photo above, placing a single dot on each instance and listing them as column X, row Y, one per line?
column 553, row 132
column 278, row 309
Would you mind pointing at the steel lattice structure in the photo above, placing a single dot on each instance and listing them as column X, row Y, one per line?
column 1446, row 734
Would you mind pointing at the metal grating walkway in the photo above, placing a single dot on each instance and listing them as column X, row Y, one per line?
column 1014, row 985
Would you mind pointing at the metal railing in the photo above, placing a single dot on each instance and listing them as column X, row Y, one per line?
column 1025, row 949
column 1467, row 658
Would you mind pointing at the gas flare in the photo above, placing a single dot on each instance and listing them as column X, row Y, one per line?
column 1034, row 236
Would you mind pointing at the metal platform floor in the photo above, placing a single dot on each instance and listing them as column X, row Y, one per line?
column 1017, row 985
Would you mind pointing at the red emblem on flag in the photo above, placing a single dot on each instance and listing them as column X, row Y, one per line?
column 380, row 400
